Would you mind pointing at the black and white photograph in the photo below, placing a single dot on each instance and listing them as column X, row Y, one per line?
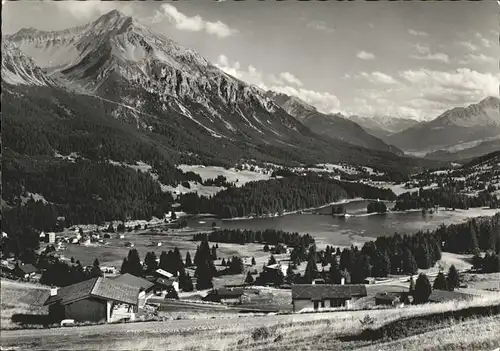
column 250, row 175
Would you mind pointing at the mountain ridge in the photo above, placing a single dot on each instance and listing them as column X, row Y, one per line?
column 479, row 121
column 335, row 126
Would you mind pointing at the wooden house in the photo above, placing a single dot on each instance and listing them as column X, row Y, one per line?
column 96, row 299
column 225, row 295
column 321, row 296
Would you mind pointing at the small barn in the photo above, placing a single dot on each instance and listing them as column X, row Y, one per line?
column 24, row 270
column 321, row 296
column 225, row 295
column 395, row 299
column 96, row 299
column 166, row 286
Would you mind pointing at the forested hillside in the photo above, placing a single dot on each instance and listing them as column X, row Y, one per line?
column 280, row 195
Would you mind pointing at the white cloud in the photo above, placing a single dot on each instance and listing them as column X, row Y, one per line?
column 418, row 33
column 478, row 59
column 365, row 55
column 290, row 78
column 484, row 41
column 378, row 77
column 424, row 53
column 323, row 101
column 250, row 75
column 89, row 9
column 460, row 87
column 194, row 24
column 321, row 26
column 468, row 45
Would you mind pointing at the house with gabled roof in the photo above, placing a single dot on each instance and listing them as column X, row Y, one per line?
column 95, row 300
column 322, row 296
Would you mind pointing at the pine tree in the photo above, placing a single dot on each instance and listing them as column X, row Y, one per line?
column 150, row 262
column 96, row 270
column 124, row 268
column 249, row 279
column 423, row 289
column 334, row 272
column 189, row 263
column 253, row 261
column 223, row 263
column 412, row 285
column 134, row 263
column 440, row 282
column 453, row 279
column 311, row 271
column 271, row 261
column 236, row 265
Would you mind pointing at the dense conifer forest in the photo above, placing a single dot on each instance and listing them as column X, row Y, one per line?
column 280, row 195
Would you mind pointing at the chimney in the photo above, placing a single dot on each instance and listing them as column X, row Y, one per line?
column 342, row 281
column 53, row 292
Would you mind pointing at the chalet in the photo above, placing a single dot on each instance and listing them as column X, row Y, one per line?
column 445, row 295
column 320, row 296
column 145, row 286
column 96, row 299
column 25, row 270
column 165, row 286
column 395, row 299
column 225, row 295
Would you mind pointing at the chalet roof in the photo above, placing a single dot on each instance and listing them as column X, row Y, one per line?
column 445, row 295
column 227, row 292
column 27, row 268
column 134, row 281
column 96, row 287
column 165, row 282
column 164, row 273
column 327, row 291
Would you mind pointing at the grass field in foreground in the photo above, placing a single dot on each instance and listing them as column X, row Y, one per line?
column 296, row 331
column 21, row 298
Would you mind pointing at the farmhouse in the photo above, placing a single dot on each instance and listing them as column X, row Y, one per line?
column 144, row 286
column 320, row 296
column 95, row 300
column 225, row 295
column 390, row 299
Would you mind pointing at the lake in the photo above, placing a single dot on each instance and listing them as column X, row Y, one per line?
column 339, row 231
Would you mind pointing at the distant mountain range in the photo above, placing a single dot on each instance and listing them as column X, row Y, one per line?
column 455, row 129
column 383, row 126
column 331, row 125
column 164, row 96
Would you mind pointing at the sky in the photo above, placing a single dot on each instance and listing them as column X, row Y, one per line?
column 402, row 59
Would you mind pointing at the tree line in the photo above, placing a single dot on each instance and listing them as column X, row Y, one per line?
column 268, row 236
column 444, row 197
column 279, row 195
